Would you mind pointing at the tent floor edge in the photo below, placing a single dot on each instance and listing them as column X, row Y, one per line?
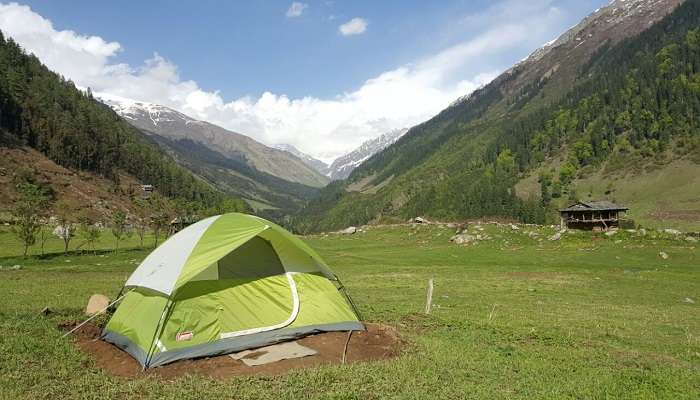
column 239, row 343
column 126, row 345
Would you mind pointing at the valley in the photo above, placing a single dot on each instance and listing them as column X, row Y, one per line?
column 351, row 201
column 515, row 315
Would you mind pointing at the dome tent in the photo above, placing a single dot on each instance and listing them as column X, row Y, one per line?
column 224, row 284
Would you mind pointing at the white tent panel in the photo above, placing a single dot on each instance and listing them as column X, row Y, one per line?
column 160, row 270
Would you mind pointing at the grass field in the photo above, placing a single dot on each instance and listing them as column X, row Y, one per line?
column 586, row 317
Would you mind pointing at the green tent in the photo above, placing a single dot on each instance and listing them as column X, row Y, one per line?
column 224, row 284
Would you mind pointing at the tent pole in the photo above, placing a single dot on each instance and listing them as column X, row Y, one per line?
column 344, row 290
column 156, row 334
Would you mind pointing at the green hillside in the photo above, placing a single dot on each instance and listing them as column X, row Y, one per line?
column 42, row 110
column 606, row 122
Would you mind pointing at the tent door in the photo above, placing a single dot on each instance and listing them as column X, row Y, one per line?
column 288, row 321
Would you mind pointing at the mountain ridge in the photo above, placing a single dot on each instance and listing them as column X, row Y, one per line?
column 464, row 162
column 343, row 166
column 173, row 124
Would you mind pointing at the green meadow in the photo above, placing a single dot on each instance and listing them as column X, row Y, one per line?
column 515, row 316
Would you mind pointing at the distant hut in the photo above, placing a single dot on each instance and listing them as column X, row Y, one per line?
column 592, row 215
column 146, row 191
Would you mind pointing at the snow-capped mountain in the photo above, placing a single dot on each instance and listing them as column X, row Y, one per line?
column 133, row 110
column 154, row 119
column 344, row 165
column 607, row 25
column 312, row 162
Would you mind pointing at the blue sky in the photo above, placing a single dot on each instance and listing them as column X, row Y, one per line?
column 290, row 77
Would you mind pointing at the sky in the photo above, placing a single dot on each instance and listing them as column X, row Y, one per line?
column 323, row 76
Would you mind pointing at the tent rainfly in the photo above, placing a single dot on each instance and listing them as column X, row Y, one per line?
column 224, row 284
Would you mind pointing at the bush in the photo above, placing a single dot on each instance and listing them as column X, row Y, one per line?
column 627, row 224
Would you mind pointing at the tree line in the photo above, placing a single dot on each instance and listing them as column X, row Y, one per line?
column 43, row 110
column 635, row 101
column 38, row 215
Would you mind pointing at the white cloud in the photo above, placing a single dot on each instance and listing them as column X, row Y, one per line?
column 355, row 26
column 325, row 128
column 296, row 9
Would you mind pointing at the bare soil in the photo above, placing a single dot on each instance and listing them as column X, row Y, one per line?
column 84, row 192
column 378, row 342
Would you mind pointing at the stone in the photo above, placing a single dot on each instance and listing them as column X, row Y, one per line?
column 97, row 304
column 663, row 255
column 691, row 239
column 643, row 232
column 462, row 239
column 420, row 220
column 610, row 233
column 349, row 230
column 689, row 300
column 672, row 231
column 514, row 227
column 556, row 236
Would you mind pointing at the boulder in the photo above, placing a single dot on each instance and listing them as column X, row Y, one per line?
column 349, row 230
column 462, row 239
column 556, row 236
column 97, row 304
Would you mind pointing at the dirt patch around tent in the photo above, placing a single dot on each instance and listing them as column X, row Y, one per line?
column 378, row 342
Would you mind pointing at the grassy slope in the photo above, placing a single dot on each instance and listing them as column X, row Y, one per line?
column 441, row 158
column 83, row 191
column 584, row 317
column 660, row 197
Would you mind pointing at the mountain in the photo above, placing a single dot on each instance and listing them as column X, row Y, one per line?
column 174, row 125
column 318, row 165
column 44, row 112
column 344, row 165
column 272, row 181
column 614, row 100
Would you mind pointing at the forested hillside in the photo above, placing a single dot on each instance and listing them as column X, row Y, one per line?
column 625, row 105
column 272, row 181
column 42, row 110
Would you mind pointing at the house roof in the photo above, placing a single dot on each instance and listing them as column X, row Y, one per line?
column 602, row 205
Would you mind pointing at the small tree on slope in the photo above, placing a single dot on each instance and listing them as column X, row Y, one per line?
column 27, row 211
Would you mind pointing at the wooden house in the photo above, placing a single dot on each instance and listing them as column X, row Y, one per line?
column 591, row 215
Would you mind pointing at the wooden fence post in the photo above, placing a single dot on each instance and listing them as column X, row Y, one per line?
column 429, row 299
